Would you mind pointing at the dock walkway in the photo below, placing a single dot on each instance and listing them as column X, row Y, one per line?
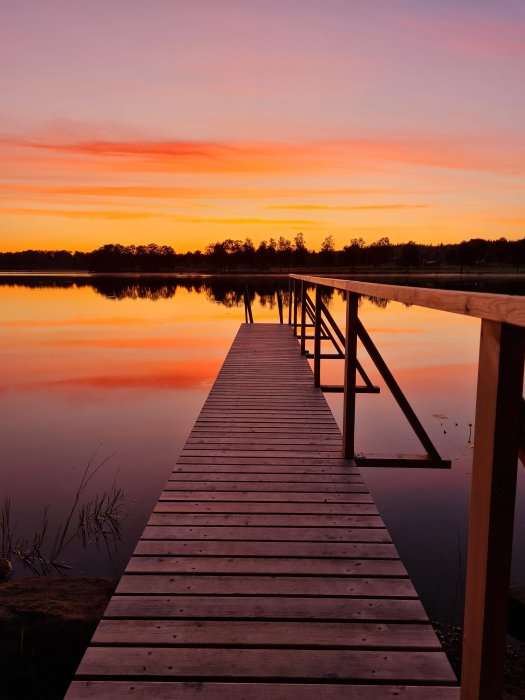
column 265, row 571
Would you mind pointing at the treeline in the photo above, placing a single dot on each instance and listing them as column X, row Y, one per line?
column 275, row 255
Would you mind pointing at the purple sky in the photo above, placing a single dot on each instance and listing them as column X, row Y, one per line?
column 423, row 101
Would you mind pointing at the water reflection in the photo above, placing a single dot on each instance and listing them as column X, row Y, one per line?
column 128, row 362
column 229, row 290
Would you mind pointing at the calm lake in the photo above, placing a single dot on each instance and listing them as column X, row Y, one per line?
column 117, row 368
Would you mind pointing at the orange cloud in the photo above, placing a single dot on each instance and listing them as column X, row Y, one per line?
column 357, row 207
column 79, row 213
column 481, row 152
column 149, row 192
column 109, row 214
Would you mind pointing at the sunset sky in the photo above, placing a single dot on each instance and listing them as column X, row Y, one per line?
column 182, row 122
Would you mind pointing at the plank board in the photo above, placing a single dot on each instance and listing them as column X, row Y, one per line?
column 169, row 690
column 265, row 570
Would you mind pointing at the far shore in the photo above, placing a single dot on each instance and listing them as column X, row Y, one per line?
column 446, row 273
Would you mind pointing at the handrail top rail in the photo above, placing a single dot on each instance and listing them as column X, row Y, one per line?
column 504, row 308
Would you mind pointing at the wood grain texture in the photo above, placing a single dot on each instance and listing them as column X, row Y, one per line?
column 263, row 663
column 493, row 307
column 269, row 634
column 265, row 570
column 82, row 690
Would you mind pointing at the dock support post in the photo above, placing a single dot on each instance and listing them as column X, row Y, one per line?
column 317, row 336
column 289, row 301
column 350, row 375
column 303, row 318
column 295, row 307
column 493, row 493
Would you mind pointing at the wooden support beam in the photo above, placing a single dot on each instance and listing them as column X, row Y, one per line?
column 339, row 389
column 326, row 356
column 317, row 337
column 497, row 429
column 400, row 460
column 341, row 337
column 522, row 434
column 290, row 283
column 303, row 317
column 395, row 389
column 350, row 375
column 295, row 283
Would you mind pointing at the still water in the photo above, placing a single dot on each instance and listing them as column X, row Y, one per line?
column 118, row 368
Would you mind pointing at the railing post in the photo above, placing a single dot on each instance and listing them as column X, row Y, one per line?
column 248, row 305
column 303, row 318
column 317, row 336
column 350, row 375
column 493, row 493
column 280, row 305
column 295, row 307
column 289, row 301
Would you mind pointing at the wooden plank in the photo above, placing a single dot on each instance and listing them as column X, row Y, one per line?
column 267, row 634
column 264, row 477
column 268, row 534
column 266, row 520
column 266, row 508
column 158, row 607
column 342, row 550
column 151, row 690
column 267, row 496
column 267, row 663
column 282, row 486
column 265, row 585
column 258, row 460
column 285, row 468
column 266, row 565
column 260, row 429
column 269, row 440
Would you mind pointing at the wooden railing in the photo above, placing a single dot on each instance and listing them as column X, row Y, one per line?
column 499, row 439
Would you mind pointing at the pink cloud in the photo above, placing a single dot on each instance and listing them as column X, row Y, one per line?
column 472, row 151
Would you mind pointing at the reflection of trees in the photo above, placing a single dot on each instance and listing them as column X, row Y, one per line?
column 135, row 290
column 377, row 301
column 229, row 291
column 226, row 297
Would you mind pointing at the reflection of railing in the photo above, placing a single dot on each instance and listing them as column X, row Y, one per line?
column 248, row 315
column 500, row 434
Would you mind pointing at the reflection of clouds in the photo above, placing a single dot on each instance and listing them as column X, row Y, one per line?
column 393, row 330
column 76, row 321
column 181, row 380
column 175, row 375
column 438, row 377
column 149, row 343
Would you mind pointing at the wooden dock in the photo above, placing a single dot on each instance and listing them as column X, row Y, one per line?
column 265, row 571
